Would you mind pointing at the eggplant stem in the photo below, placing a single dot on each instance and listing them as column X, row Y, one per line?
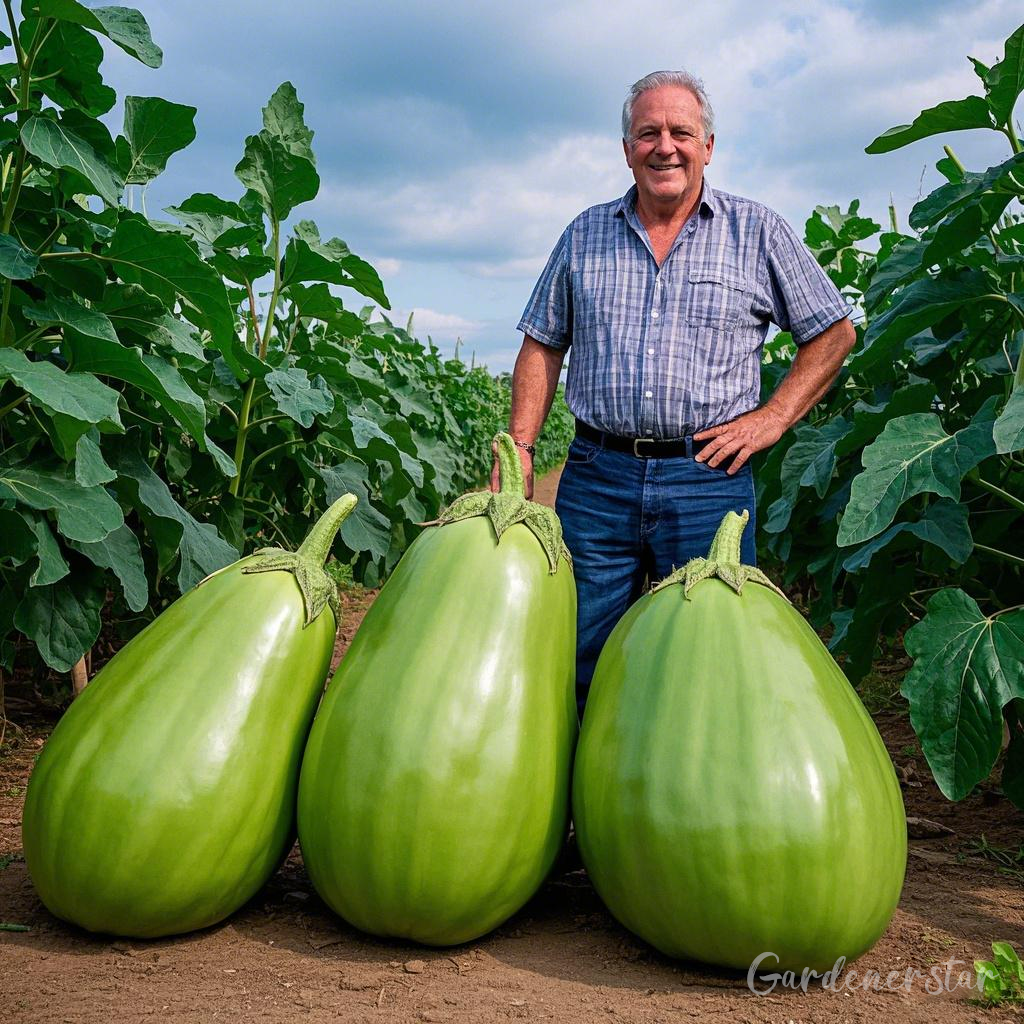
column 510, row 467
column 725, row 548
column 317, row 545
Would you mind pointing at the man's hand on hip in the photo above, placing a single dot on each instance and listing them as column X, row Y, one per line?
column 740, row 438
column 526, row 459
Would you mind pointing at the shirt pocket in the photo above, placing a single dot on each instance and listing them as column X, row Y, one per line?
column 717, row 298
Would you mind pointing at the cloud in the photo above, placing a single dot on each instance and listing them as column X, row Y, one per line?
column 460, row 138
column 490, row 215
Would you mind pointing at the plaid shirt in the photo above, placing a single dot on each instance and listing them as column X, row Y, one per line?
column 666, row 352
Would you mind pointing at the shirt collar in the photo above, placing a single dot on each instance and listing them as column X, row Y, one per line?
column 708, row 204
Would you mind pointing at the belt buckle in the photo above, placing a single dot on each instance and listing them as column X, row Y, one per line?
column 641, row 440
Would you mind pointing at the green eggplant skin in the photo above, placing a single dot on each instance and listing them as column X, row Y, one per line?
column 731, row 795
column 165, row 797
column 434, row 791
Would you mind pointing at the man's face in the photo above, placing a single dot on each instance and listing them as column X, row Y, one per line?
column 666, row 149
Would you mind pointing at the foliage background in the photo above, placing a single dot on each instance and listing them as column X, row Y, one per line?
column 896, row 508
column 175, row 392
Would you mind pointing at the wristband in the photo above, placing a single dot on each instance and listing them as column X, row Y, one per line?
column 526, row 447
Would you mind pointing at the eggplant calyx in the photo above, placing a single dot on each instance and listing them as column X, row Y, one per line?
column 509, row 506
column 723, row 562
column 306, row 565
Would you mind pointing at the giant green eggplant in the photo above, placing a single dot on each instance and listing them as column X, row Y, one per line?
column 165, row 797
column 434, row 790
column 731, row 795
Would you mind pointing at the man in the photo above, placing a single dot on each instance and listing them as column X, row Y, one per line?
column 665, row 296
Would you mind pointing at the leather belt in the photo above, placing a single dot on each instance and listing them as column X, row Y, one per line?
column 641, row 447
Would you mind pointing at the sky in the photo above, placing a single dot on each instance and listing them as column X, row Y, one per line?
column 455, row 140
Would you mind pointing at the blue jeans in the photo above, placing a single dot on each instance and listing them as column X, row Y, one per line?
column 627, row 520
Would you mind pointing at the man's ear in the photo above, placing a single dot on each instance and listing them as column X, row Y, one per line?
column 709, row 148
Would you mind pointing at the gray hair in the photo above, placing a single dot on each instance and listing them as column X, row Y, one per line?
column 655, row 80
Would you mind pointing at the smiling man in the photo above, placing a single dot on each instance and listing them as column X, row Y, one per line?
column 665, row 297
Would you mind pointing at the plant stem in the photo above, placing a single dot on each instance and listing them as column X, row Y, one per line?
column 510, row 466
column 725, row 548
column 317, row 545
column 243, row 430
column 276, row 241
column 267, row 419
column 270, row 451
column 999, row 492
column 12, row 405
column 999, row 554
column 1008, row 131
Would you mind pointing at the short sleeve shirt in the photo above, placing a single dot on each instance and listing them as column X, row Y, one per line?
column 667, row 352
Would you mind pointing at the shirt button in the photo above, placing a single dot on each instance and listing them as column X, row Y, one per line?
column 650, row 432
column 650, row 351
column 648, row 394
column 654, row 314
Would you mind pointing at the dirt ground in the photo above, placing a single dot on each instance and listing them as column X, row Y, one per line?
column 286, row 957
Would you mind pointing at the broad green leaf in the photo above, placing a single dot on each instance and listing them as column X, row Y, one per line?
column 83, row 513
column 282, row 179
column 67, row 68
column 90, row 467
column 299, row 397
column 1006, row 178
column 365, row 529
column 809, row 462
column 121, row 25
column 80, row 274
column 166, row 266
column 924, row 303
column 57, row 146
column 880, row 592
column 63, row 619
column 139, row 316
column 869, row 419
column 52, row 566
column 202, row 550
column 215, row 221
column 1008, row 432
column 316, row 301
column 78, row 395
column 959, row 232
column 951, row 116
column 912, row 455
column 1005, row 80
column 16, row 262
column 307, row 258
column 54, row 309
column 19, row 540
column 902, row 263
column 120, row 552
column 967, row 667
column 943, row 524
column 282, row 118
column 154, row 129
column 157, row 378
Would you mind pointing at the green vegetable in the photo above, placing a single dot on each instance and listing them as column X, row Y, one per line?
column 434, row 790
column 731, row 796
column 165, row 797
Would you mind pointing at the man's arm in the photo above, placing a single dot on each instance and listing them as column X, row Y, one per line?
column 534, row 382
column 815, row 367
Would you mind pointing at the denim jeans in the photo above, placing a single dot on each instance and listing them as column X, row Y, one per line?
column 627, row 520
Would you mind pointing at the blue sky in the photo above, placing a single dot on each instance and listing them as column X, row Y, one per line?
column 455, row 140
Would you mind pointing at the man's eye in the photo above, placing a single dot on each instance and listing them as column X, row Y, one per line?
column 648, row 135
column 681, row 133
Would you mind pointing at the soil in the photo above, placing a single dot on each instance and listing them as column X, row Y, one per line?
column 285, row 956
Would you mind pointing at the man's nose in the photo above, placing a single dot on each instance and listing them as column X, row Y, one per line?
column 665, row 142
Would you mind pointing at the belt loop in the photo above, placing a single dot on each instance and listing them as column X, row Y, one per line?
column 689, row 446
